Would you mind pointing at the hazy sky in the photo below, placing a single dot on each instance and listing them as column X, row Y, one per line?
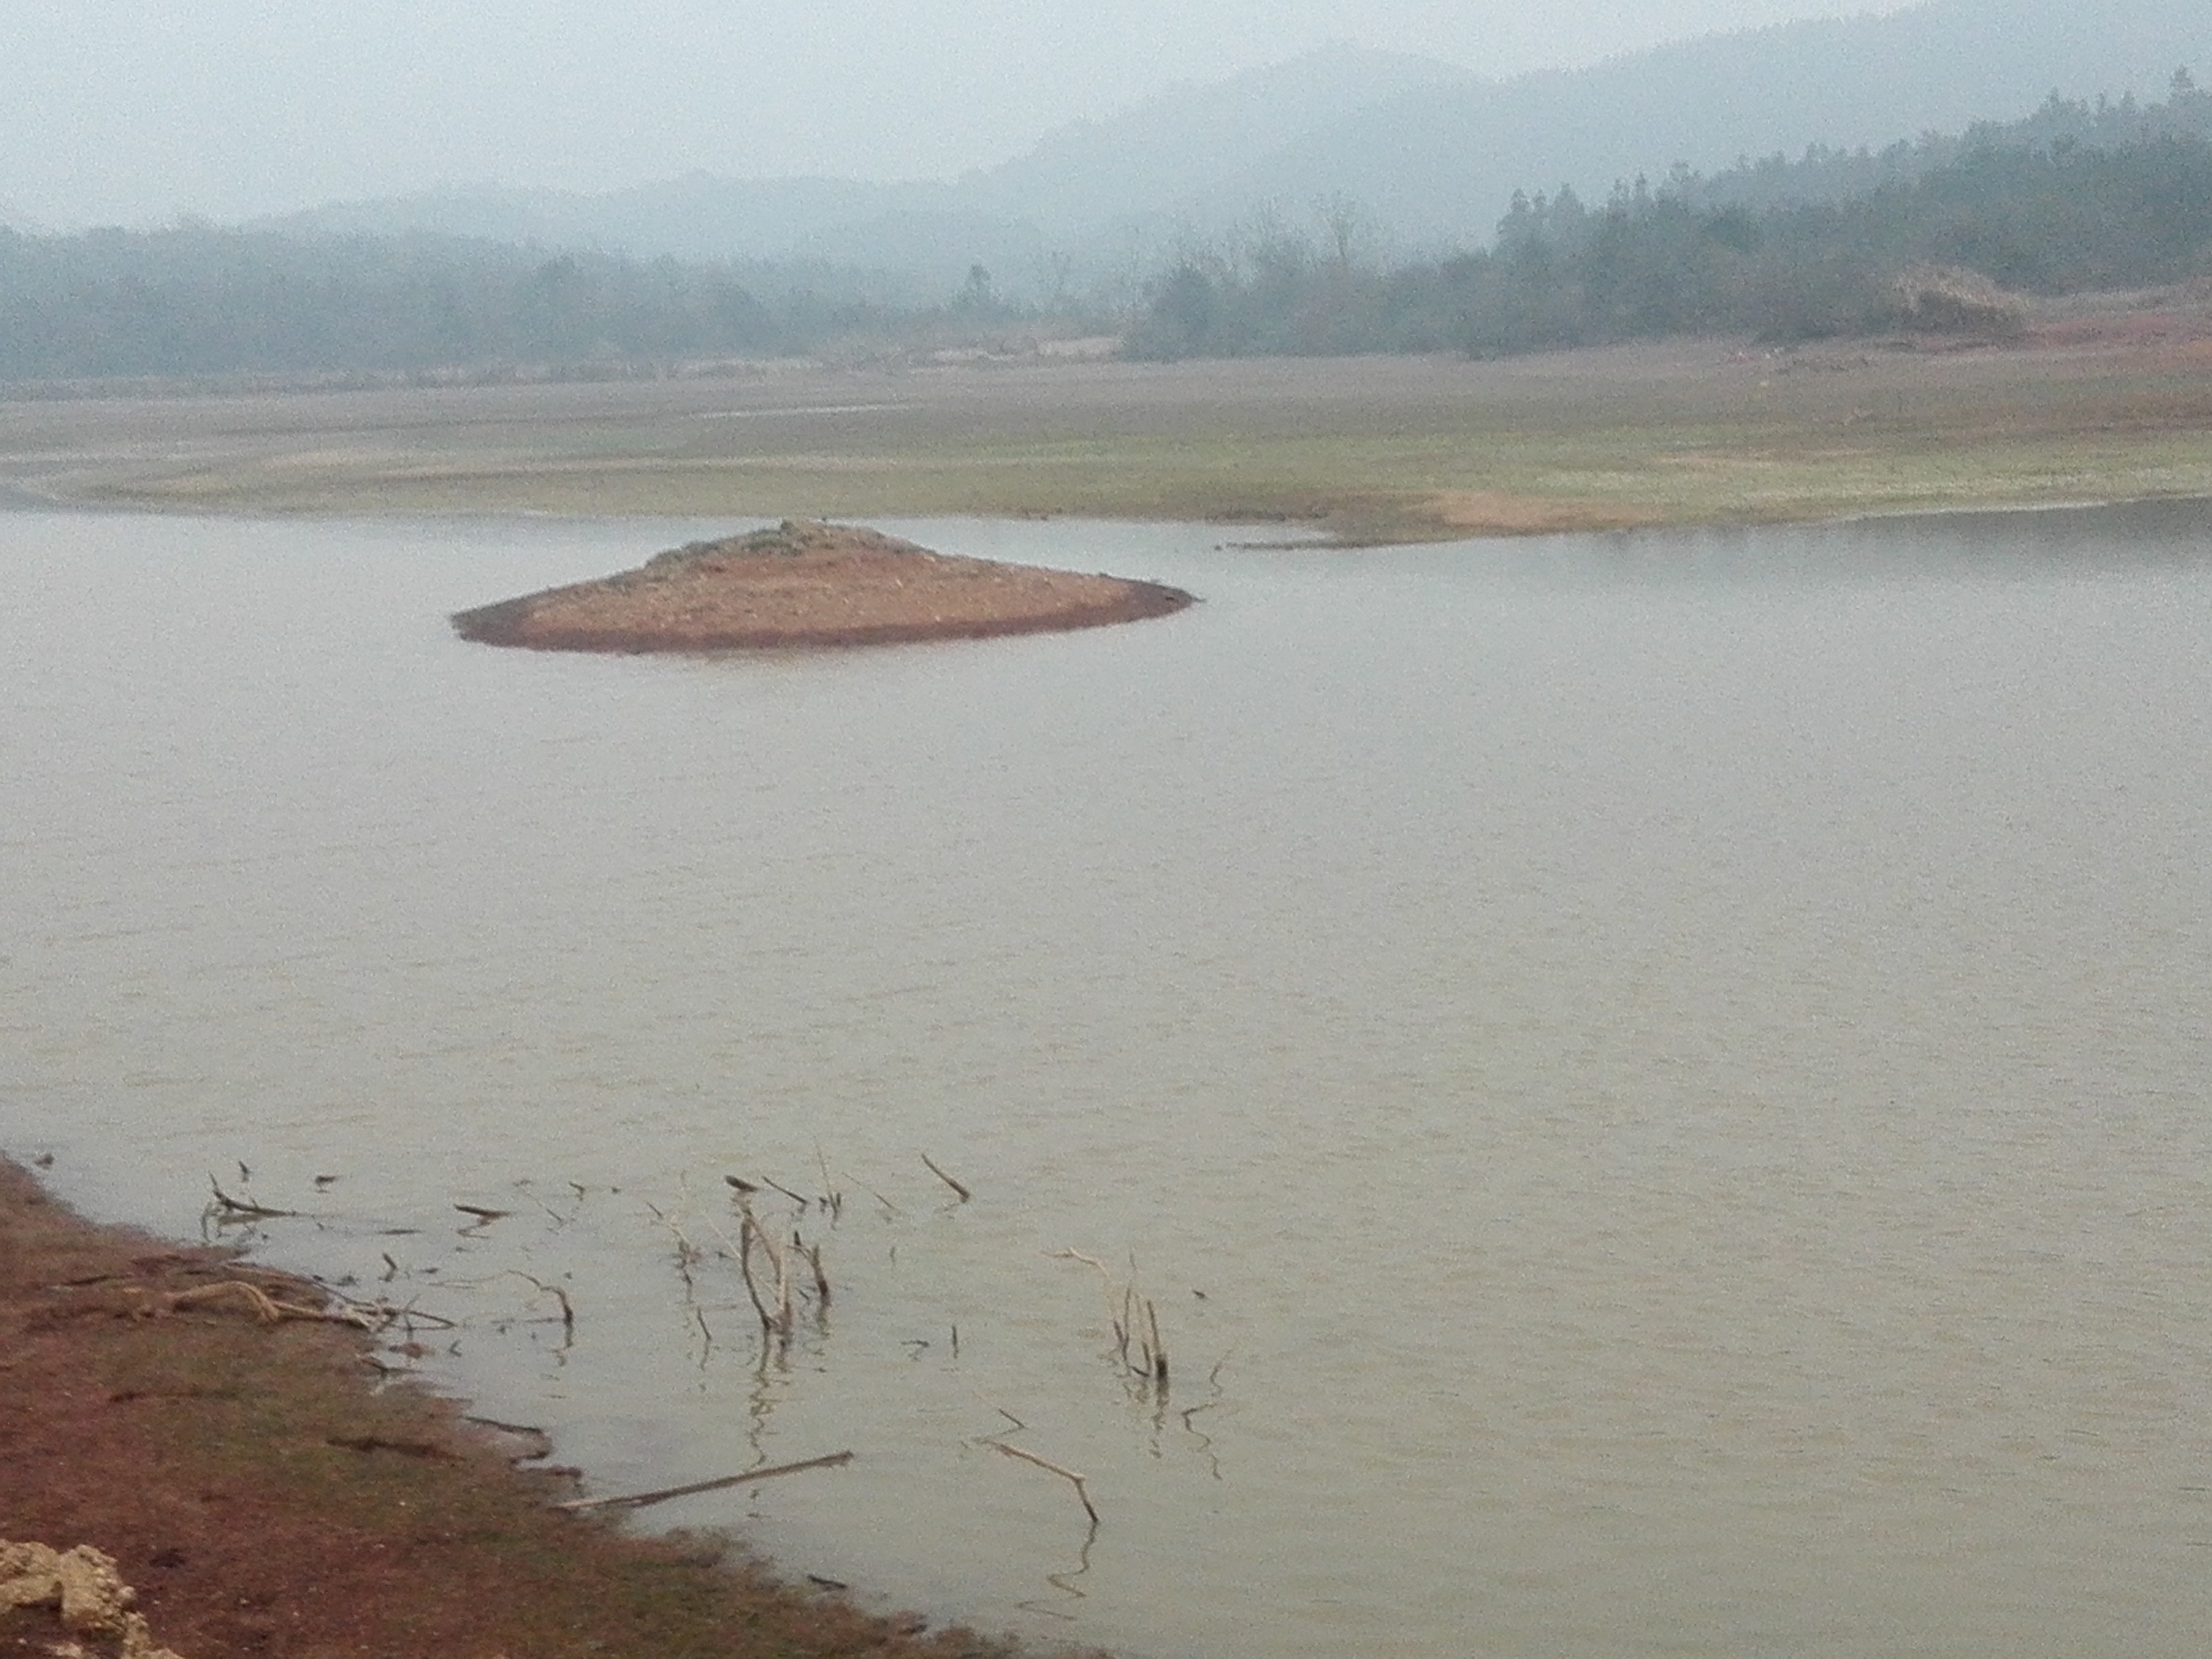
column 133, row 110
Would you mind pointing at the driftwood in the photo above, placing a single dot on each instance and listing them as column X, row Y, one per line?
column 639, row 1500
column 230, row 1206
column 568, row 1308
column 1150, row 1361
column 964, row 1193
column 1069, row 1476
column 265, row 1309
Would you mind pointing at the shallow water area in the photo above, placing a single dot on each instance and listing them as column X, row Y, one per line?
column 1654, row 1084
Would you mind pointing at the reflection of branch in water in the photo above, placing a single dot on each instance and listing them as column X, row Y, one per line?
column 568, row 1308
column 760, row 1399
column 687, row 1253
column 1065, row 1582
column 1206, row 1441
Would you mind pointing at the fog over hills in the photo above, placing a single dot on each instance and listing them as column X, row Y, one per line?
column 1431, row 153
column 1440, row 165
column 1068, row 196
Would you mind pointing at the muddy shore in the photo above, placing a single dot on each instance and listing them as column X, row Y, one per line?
column 804, row 584
column 2105, row 397
column 263, row 1494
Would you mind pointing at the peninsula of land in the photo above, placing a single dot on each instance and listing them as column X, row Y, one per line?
column 200, row 1441
column 808, row 584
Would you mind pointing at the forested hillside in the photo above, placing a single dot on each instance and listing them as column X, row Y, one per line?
column 2076, row 197
column 1431, row 151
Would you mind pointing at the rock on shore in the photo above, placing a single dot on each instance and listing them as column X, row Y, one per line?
column 805, row 583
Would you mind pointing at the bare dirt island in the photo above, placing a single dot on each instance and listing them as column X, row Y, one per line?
column 805, row 583
column 195, row 1459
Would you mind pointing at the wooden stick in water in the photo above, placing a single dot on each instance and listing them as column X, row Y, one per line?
column 813, row 1254
column 638, row 1500
column 745, row 1267
column 964, row 1193
column 240, row 1207
column 1081, row 1490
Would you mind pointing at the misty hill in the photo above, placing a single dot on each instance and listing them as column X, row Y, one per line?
column 2076, row 195
column 1012, row 219
column 1947, row 235
column 1431, row 153
column 1827, row 174
column 1437, row 165
column 1193, row 141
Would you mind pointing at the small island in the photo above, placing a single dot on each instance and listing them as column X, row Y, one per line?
column 808, row 584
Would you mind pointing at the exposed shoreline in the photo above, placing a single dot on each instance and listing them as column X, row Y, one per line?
column 261, row 1492
column 808, row 585
column 2106, row 398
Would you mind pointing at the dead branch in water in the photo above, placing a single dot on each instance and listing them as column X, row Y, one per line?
column 640, row 1499
column 229, row 1206
column 813, row 1254
column 265, row 1309
column 775, row 1319
column 745, row 1255
column 794, row 1197
column 964, row 1193
column 686, row 1251
column 1151, row 1360
column 568, row 1308
column 1069, row 1476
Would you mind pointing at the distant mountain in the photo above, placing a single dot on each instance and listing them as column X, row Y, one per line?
column 1439, row 164
column 1430, row 153
column 1194, row 142
column 693, row 217
column 1010, row 219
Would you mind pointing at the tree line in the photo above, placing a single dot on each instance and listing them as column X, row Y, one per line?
column 2076, row 197
column 196, row 300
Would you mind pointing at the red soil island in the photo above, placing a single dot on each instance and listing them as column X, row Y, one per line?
column 804, row 583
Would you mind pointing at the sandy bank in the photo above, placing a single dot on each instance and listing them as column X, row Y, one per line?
column 259, row 1494
column 807, row 584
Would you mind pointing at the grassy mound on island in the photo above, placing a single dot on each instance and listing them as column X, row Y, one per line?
column 804, row 583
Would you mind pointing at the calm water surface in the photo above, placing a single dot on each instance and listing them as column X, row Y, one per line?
column 1657, row 1085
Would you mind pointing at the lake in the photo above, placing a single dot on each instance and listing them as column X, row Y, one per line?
column 1655, row 1086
